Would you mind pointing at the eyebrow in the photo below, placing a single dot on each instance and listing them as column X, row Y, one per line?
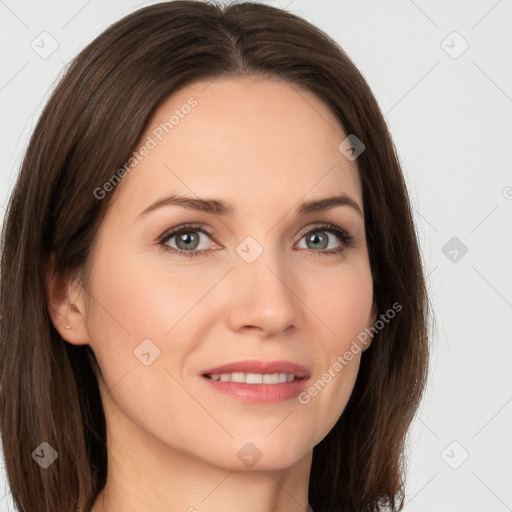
column 223, row 208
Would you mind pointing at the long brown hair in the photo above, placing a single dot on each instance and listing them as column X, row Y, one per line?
column 88, row 130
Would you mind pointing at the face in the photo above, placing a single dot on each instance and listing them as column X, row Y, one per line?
column 179, row 290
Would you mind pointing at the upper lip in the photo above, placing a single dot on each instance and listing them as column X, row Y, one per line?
column 253, row 366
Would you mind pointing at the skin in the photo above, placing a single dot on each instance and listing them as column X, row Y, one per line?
column 265, row 147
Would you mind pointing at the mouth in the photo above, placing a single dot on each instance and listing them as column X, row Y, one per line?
column 258, row 381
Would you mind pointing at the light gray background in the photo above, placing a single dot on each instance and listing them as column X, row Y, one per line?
column 451, row 119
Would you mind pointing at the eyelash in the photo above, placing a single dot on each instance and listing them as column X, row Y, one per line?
column 346, row 239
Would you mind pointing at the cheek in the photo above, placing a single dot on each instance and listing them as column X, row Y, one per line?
column 140, row 296
column 342, row 300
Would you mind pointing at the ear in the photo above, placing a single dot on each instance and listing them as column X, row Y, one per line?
column 65, row 304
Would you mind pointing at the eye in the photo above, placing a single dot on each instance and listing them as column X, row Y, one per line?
column 185, row 240
column 318, row 238
column 188, row 241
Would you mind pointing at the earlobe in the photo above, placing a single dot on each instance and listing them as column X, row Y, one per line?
column 65, row 310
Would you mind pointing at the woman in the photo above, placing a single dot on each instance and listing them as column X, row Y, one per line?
column 212, row 291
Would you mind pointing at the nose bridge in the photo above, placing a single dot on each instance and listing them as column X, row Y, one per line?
column 263, row 287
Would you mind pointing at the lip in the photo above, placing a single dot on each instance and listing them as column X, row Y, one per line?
column 259, row 393
column 255, row 366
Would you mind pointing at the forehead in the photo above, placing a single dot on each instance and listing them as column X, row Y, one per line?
column 242, row 138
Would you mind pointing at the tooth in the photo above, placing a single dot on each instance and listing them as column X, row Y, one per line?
column 238, row 377
column 271, row 378
column 254, row 378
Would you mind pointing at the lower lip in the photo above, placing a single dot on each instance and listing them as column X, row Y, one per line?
column 259, row 393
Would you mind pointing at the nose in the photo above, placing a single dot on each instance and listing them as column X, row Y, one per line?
column 263, row 295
